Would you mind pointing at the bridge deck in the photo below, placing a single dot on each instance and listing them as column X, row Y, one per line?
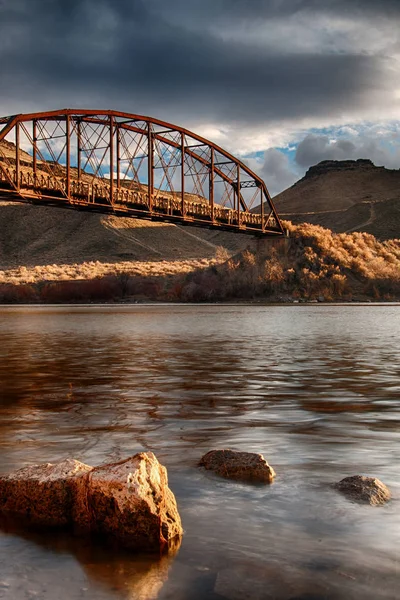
column 49, row 190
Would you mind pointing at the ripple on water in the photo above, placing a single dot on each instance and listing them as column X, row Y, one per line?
column 316, row 389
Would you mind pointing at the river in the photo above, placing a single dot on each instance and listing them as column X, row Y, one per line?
column 315, row 388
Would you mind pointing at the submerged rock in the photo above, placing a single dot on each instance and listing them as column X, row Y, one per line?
column 258, row 580
column 368, row 490
column 243, row 466
column 129, row 501
column 42, row 494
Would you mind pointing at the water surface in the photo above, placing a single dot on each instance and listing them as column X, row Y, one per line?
column 316, row 389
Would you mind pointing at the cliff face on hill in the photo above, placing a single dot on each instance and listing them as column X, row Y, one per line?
column 345, row 196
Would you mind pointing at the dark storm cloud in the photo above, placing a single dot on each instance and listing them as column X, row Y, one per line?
column 273, row 8
column 276, row 170
column 227, row 12
column 141, row 54
column 315, row 148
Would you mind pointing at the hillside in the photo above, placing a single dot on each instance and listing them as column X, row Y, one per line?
column 114, row 256
column 49, row 244
column 55, row 243
column 345, row 196
column 33, row 235
column 313, row 264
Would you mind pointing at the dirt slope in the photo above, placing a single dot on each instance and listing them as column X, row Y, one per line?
column 345, row 196
column 38, row 236
column 32, row 235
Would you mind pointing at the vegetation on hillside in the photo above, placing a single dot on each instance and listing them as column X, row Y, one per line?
column 312, row 264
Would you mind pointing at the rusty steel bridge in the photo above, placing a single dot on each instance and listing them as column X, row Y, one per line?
column 130, row 165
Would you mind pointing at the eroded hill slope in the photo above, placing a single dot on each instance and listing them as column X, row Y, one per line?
column 346, row 196
column 50, row 243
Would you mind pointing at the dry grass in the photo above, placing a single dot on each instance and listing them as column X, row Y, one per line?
column 96, row 269
column 313, row 263
column 99, row 282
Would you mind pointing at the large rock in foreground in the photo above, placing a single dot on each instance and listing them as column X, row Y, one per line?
column 42, row 494
column 243, row 466
column 368, row 490
column 129, row 502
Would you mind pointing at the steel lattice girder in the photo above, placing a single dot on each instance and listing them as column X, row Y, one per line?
column 131, row 164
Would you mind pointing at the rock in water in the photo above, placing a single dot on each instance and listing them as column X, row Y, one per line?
column 364, row 489
column 131, row 502
column 42, row 494
column 243, row 466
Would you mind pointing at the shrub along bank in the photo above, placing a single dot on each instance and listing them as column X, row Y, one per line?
column 312, row 264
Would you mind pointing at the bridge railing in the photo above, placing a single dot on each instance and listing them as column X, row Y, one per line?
column 41, row 185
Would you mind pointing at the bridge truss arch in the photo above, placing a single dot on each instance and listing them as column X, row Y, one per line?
column 131, row 165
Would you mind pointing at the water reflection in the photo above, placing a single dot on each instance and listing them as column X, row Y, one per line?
column 111, row 572
column 316, row 389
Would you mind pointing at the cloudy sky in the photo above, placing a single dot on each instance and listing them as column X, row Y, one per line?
column 281, row 83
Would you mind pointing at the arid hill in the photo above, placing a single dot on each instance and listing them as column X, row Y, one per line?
column 46, row 244
column 345, row 196
column 33, row 235
column 313, row 264
column 39, row 237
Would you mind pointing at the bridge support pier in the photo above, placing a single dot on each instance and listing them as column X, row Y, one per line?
column 264, row 245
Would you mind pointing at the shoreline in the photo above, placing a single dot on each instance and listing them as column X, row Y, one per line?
column 147, row 303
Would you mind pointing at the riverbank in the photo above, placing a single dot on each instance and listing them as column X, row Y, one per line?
column 312, row 265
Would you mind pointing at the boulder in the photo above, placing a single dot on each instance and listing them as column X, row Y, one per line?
column 42, row 494
column 368, row 490
column 129, row 501
column 243, row 466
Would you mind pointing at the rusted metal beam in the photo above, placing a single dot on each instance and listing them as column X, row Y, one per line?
column 150, row 165
column 111, row 147
column 211, row 186
column 182, row 174
column 238, row 194
column 79, row 147
column 17, row 150
column 34, row 149
column 118, row 144
column 8, row 127
column 262, row 208
column 68, row 153
column 273, row 209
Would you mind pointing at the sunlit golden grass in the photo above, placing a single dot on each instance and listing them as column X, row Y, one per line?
column 96, row 270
